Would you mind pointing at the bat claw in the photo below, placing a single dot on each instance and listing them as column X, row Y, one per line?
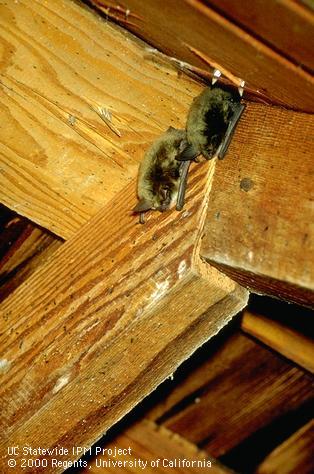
column 216, row 76
column 241, row 88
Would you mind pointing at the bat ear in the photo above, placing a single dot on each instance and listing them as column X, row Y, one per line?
column 171, row 129
column 142, row 206
column 188, row 153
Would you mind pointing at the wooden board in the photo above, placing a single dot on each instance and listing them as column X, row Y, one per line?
column 153, row 449
column 292, row 36
column 174, row 25
column 294, row 455
column 294, row 345
column 146, row 440
column 260, row 222
column 12, row 227
column 59, row 161
column 238, row 389
column 29, row 248
column 110, row 316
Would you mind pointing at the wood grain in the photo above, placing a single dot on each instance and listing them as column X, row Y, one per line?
column 288, row 342
column 260, row 222
column 171, row 25
column 158, row 448
column 295, row 455
column 238, row 390
column 59, row 161
column 110, row 316
column 292, row 36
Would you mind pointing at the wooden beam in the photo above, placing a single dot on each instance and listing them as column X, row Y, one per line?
column 292, row 36
column 239, row 389
column 111, row 315
column 159, row 450
column 293, row 455
column 259, row 227
column 174, row 25
column 288, row 342
column 29, row 247
column 59, row 161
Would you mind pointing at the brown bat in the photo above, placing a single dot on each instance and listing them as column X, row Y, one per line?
column 162, row 178
column 211, row 122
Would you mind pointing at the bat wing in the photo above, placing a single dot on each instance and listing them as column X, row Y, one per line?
column 184, row 170
column 223, row 148
column 188, row 153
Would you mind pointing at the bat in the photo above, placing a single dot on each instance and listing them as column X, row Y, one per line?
column 211, row 122
column 162, row 178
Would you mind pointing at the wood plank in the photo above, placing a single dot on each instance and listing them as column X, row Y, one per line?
column 31, row 248
column 11, row 228
column 294, row 455
column 239, row 389
column 260, row 221
column 94, row 328
column 59, row 161
column 307, row 3
column 288, row 342
column 172, row 25
column 188, row 382
column 158, row 449
column 292, row 36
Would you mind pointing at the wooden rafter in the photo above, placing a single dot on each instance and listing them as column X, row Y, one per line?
column 260, row 222
column 62, row 181
column 111, row 315
column 174, row 25
column 59, row 161
column 119, row 306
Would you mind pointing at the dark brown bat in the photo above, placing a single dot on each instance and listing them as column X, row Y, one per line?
column 162, row 178
column 211, row 122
